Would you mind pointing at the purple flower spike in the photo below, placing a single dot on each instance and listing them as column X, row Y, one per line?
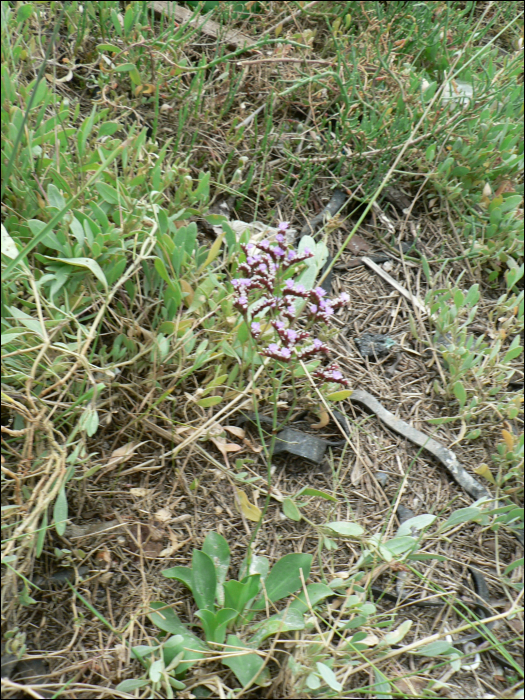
column 279, row 238
column 256, row 328
column 283, row 226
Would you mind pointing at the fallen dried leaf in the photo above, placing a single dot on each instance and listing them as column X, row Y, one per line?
column 140, row 492
column 122, row 454
column 235, row 430
column 244, row 506
column 254, row 448
column 163, row 515
column 324, row 419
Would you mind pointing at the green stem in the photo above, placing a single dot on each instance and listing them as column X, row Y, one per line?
column 268, row 453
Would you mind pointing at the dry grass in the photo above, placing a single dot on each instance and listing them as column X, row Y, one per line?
column 137, row 514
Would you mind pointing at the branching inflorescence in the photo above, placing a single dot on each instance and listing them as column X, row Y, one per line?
column 269, row 268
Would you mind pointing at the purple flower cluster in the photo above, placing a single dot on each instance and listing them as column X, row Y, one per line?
column 266, row 267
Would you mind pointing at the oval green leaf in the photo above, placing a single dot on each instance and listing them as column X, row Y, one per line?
column 209, row 401
column 346, row 529
column 339, row 395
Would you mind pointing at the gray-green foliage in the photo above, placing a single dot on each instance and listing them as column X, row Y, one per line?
column 225, row 605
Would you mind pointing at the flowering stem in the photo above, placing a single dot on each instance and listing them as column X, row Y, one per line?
column 268, row 453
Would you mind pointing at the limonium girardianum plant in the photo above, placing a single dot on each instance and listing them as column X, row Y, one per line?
column 270, row 269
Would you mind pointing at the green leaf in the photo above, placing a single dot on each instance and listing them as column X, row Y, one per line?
column 258, row 565
column 60, row 512
column 108, row 47
column 463, row 515
column 28, row 321
column 459, row 299
column 345, row 529
column 131, row 684
column 203, row 188
column 87, row 263
column 108, row 128
column 24, row 12
column 313, row 265
column 216, row 547
column 430, row 153
column 237, row 594
column 161, row 269
column 56, row 200
column 90, row 421
column 313, row 682
column 215, row 624
column 155, row 670
column 129, row 19
column 215, row 219
column 284, row 578
column 316, row 593
column 291, row 510
column 209, row 401
column 286, row 621
column 511, row 203
column 307, row 491
column 192, row 647
column 108, row 194
column 426, row 557
column 8, row 337
column 435, row 648
column 180, row 573
column 41, row 535
column 340, row 395
column 418, row 523
column 512, row 353
column 125, row 68
column 135, row 77
column 231, row 240
column 328, row 676
column 204, row 580
column 214, row 252
column 8, row 245
column 400, row 545
column 514, row 565
column 460, row 393
column 244, row 666
column 382, row 688
column 472, row 297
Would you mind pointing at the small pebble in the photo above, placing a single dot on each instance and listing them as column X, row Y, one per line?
column 382, row 477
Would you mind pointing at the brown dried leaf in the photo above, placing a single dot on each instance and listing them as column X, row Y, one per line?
column 324, row 419
column 225, row 447
column 186, row 288
column 357, row 473
column 254, row 448
column 122, row 454
column 148, row 538
column 139, row 492
column 163, row 515
column 235, row 430
column 358, row 245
